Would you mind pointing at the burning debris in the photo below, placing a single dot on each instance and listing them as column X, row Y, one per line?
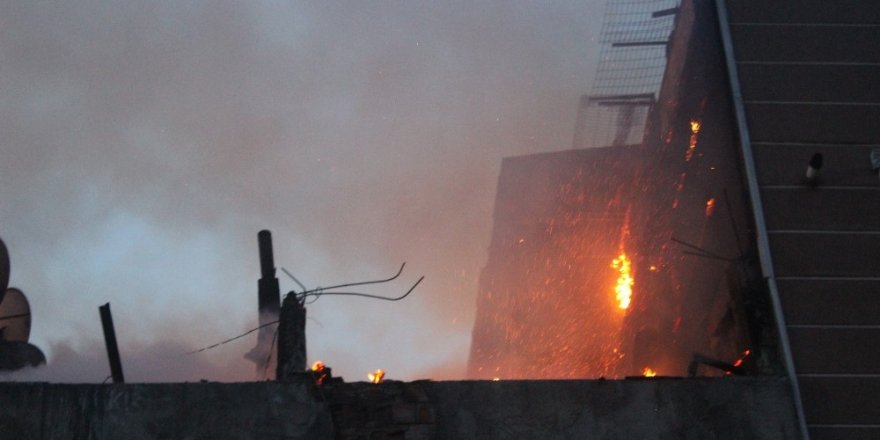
column 737, row 368
column 322, row 373
column 561, row 219
column 289, row 337
column 376, row 376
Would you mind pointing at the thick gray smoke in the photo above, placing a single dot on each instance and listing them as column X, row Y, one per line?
column 144, row 144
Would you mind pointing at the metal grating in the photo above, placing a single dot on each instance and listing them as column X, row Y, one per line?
column 632, row 61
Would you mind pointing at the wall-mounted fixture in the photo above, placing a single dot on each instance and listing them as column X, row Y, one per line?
column 813, row 168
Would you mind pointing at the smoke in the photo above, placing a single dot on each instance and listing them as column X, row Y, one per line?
column 164, row 361
column 144, row 144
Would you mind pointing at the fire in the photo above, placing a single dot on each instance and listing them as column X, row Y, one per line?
column 740, row 361
column 376, row 376
column 321, row 372
column 648, row 372
column 710, row 207
column 692, row 144
column 625, row 281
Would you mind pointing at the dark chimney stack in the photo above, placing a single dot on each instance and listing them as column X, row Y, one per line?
column 268, row 305
column 269, row 292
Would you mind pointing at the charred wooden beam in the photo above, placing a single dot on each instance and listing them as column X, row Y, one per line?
column 291, row 339
column 110, row 341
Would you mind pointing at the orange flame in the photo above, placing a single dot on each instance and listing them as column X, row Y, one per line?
column 742, row 359
column 648, row 372
column 710, row 207
column 692, row 145
column 320, row 372
column 376, row 376
column 625, row 281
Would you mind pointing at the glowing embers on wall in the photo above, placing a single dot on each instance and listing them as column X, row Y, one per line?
column 551, row 305
column 692, row 145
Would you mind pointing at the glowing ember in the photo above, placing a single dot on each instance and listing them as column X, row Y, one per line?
column 625, row 281
column 320, row 372
column 376, row 376
column 710, row 207
column 692, row 145
column 648, row 372
column 742, row 359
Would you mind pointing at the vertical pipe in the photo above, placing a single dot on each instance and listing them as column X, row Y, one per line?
column 267, row 260
column 269, row 300
column 268, row 305
column 110, row 341
column 763, row 240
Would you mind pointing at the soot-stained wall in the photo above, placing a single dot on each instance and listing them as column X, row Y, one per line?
column 674, row 207
column 740, row 408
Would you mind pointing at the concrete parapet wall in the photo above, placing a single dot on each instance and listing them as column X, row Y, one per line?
column 733, row 408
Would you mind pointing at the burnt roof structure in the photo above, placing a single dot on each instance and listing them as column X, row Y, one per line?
column 788, row 80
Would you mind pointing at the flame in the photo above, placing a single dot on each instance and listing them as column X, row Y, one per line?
column 742, row 359
column 496, row 379
column 376, row 376
column 710, row 207
column 692, row 144
column 320, row 372
column 625, row 281
column 648, row 372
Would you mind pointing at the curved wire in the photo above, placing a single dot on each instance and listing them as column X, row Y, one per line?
column 233, row 338
column 294, row 279
column 699, row 249
column 367, row 295
column 317, row 295
column 361, row 283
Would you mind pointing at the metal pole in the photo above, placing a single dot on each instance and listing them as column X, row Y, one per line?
column 110, row 340
column 763, row 240
column 269, row 295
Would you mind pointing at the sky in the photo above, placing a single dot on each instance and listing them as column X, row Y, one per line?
column 144, row 144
